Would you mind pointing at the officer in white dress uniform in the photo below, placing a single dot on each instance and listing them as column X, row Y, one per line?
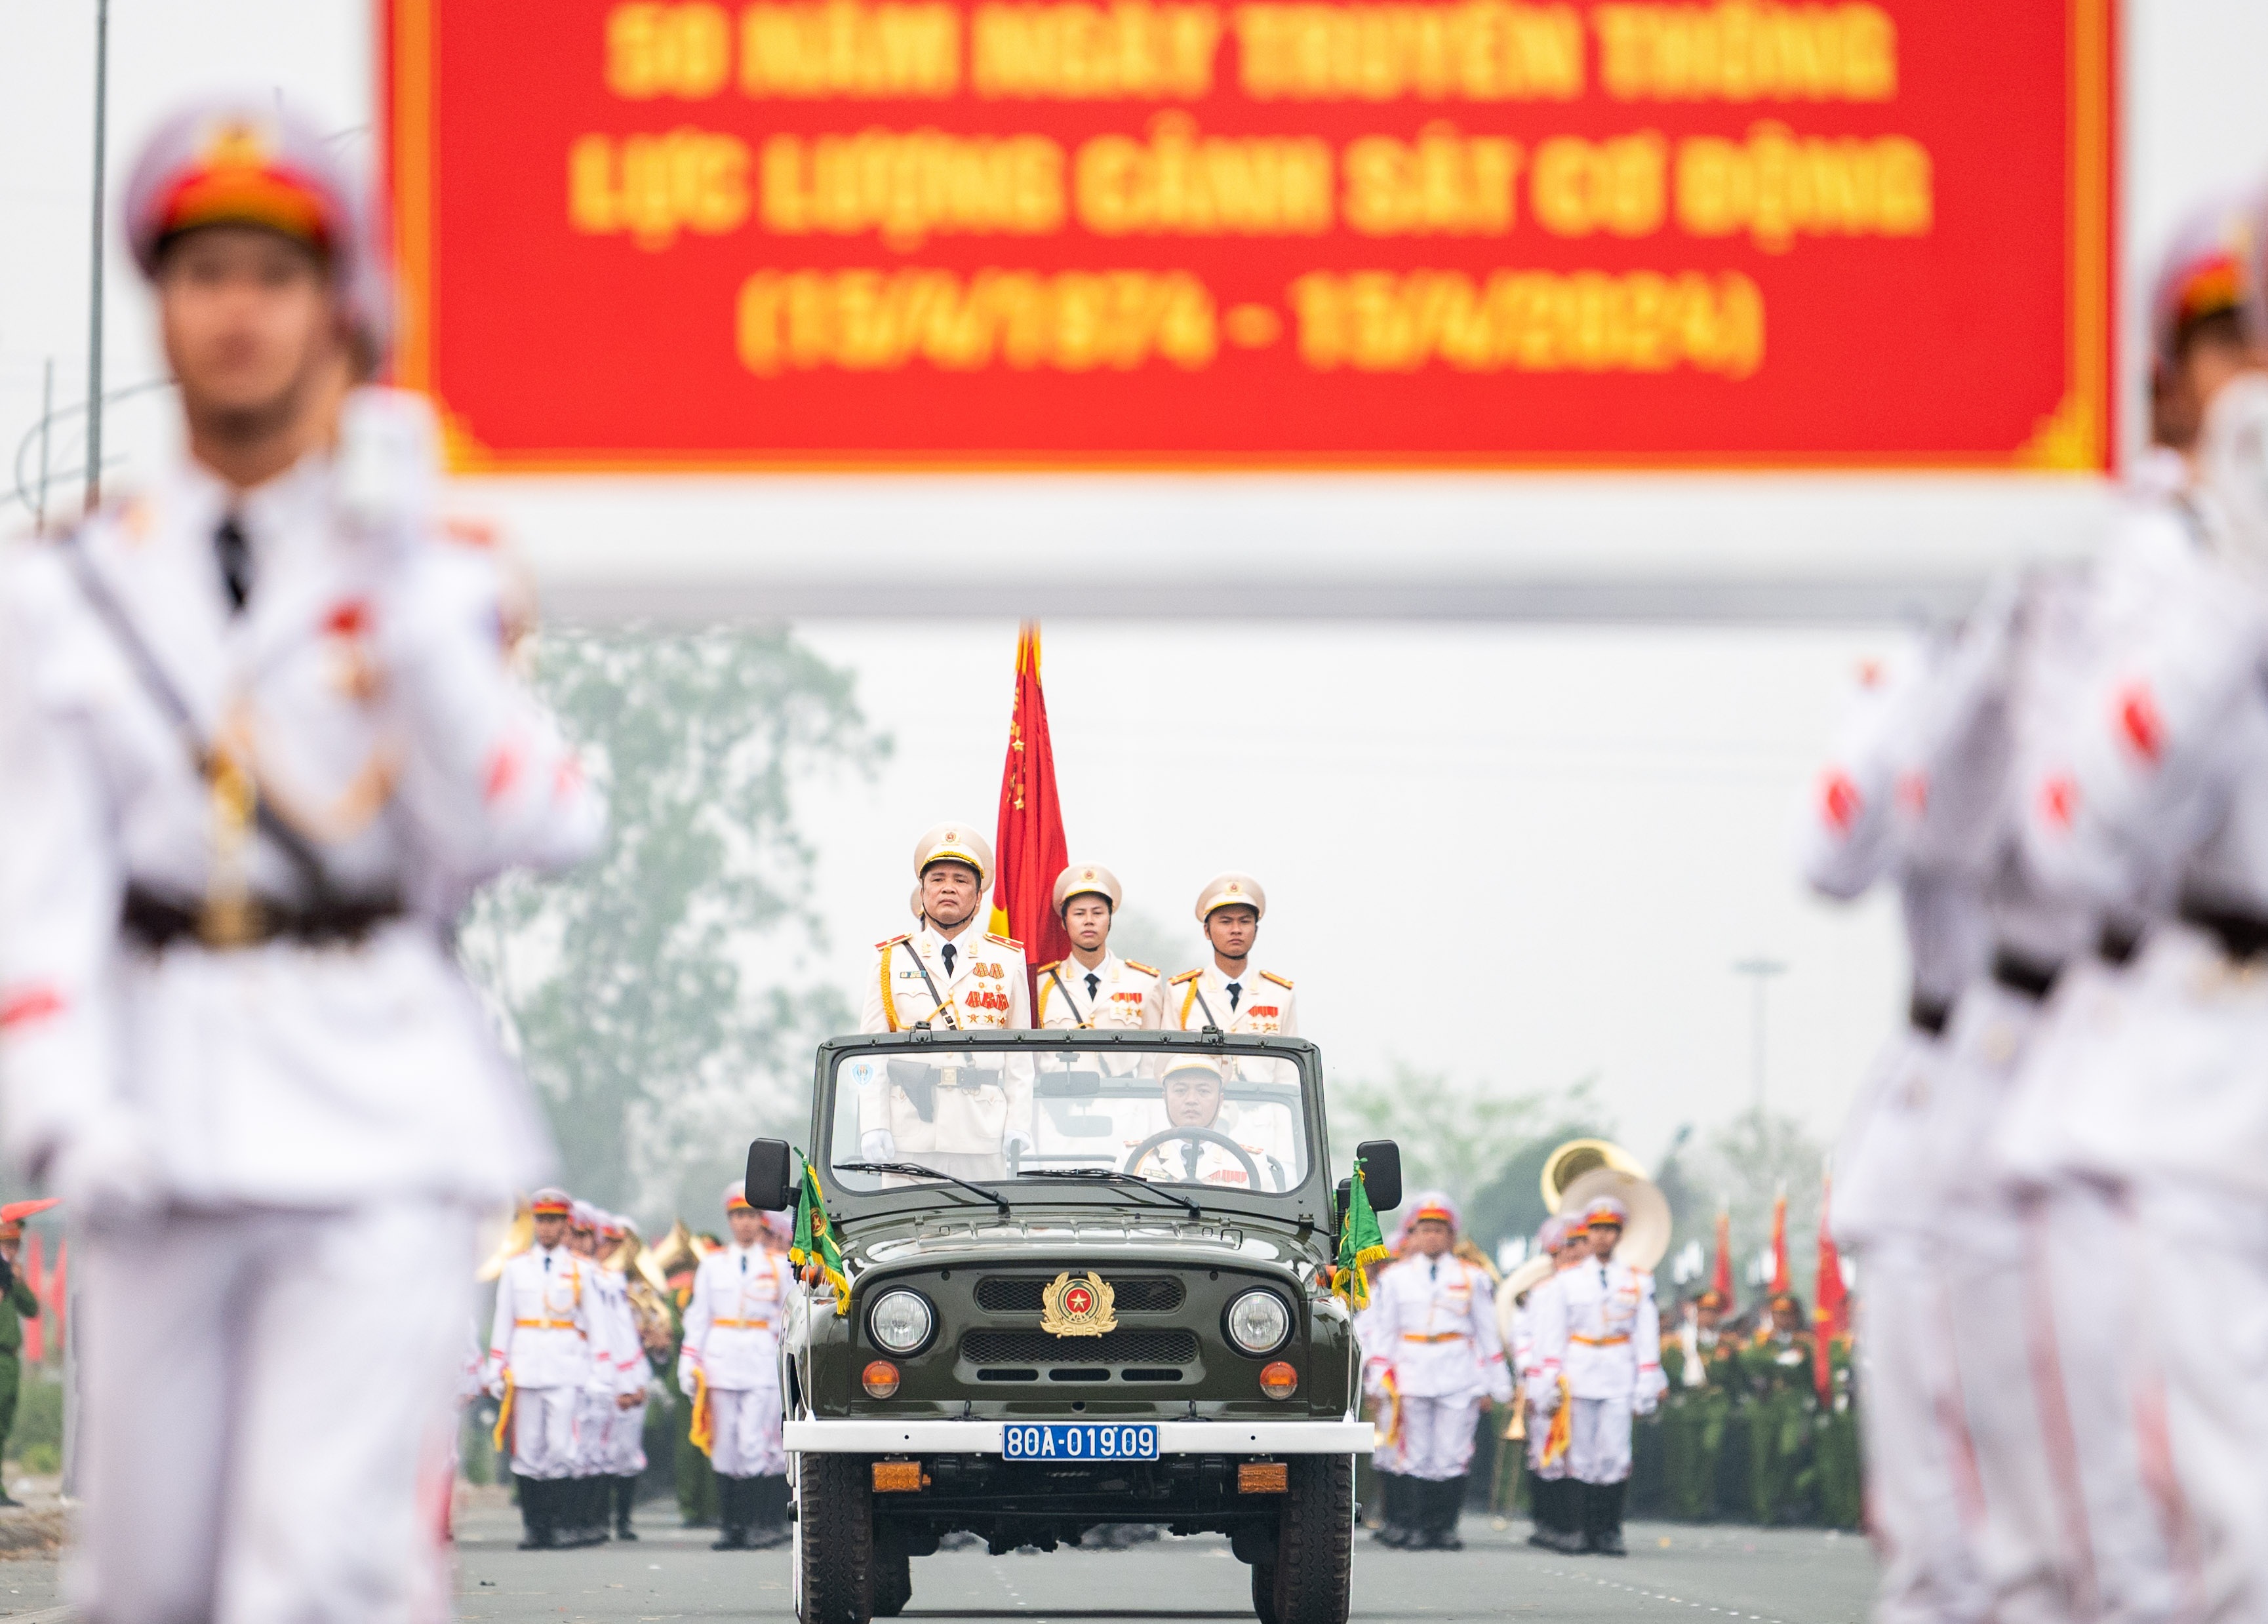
column 540, row 1364
column 730, row 1362
column 623, row 1461
column 1232, row 992
column 1433, row 1319
column 260, row 741
column 1599, row 1328
column 1094, row 989
column 950, row 976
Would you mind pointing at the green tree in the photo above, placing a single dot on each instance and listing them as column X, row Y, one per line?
column 649, row 992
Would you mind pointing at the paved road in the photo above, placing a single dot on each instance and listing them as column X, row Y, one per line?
column 1674, row 1572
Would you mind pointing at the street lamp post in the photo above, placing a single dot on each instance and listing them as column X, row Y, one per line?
column 1760, row 971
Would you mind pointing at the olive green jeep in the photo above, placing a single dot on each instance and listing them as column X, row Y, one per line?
column 1089, row 1283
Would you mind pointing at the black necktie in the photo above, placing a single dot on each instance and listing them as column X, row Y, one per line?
column 235, row 555
column 547, row 1262
column 744, row 1262
column 1235, row 989
column 1094, row 981
column 948, row 961
column 1190, row 1160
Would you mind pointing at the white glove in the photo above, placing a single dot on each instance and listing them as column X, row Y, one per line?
column 1018, row 1142
column 881, row 1145
column 1545, row 1397
column 495, row 1386
column 107, row 1171
column 1643, row 1405
column 685, row 1375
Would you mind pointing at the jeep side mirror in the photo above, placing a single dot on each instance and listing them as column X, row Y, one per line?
column 1381, row 1172
column 771, row 1185
column 1344, row 1194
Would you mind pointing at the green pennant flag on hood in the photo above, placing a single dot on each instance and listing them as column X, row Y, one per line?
column 1361, row 1243
column 813, row 1246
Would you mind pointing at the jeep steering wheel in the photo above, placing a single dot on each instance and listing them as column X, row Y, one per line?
column 1134, row 1157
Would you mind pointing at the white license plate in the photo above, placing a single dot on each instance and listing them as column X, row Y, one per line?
column 1080, row 1440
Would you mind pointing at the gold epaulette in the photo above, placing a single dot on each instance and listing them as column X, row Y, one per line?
column 1009, row 942
column 1136, row 964
column 1043, row 969
column 884, row 947
column 1187, row 976
column 1270, row 975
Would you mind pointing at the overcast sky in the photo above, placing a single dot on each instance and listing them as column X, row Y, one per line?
column 1518, row 854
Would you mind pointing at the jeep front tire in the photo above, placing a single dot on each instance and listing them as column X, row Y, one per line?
column 835, row 1519
column 1314, row 1543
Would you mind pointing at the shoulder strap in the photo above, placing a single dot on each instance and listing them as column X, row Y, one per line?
column 936, row 1004
column 1085, row 1021
column 169, row 699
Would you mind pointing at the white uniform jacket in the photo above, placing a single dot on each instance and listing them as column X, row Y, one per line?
column 732, row 1324
column 1264, row 1006
column 1434, row 1320
column 1172, row 1162
column 987, row 990
column 1126, row 996
column 550, row 1322
column 1598, row 1325
column 625, row 1355
column 366, row 685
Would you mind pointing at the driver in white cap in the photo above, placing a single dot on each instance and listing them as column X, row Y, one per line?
column 1094, row 989
column 1601, row 1328
column 1196, row 1146
column 1232, row 992
column 950, row 976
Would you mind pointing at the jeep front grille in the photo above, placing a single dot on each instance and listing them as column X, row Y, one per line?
column 1136, row 1294
column 1111, row 1347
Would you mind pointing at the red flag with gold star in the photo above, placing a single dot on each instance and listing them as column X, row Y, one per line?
column 1029, row 850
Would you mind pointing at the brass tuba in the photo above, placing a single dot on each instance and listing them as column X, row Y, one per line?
column 519, row 1236
column 1570, row 1161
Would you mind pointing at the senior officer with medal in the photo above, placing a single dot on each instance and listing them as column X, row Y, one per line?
column 950, row 976
column 1094, row 989
column 260, row 740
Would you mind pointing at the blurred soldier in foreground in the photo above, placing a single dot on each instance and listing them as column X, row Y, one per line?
column 950, row 975
column 1599, row 1327
column 730, row 1364
column 539, row 1366
column 1432, row 1323
column 1095, row 987
column 2164, row 796
column 260, row 742
column 1865, row 827
column 1230, row 992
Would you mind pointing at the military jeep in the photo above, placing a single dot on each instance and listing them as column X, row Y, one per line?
column 1088, row 1285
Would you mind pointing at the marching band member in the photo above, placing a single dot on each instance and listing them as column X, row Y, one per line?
column 621, row 1458
column 260, row 738
column 1433, row 1319
column 730, row 1364
column 1601, row 1329
column 540, row 1364
column 1551, row 1495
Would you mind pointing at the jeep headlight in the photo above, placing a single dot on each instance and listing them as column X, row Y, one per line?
column 1258, row 1322
column 901, row 1320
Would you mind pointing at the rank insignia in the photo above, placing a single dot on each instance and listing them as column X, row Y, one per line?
column 1077, row 1307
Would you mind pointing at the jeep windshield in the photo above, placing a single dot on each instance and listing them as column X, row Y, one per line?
column 1027, row 1111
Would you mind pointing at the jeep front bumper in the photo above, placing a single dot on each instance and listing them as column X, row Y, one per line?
column 850, row 1437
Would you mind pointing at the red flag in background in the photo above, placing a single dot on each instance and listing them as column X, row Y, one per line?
column 1780, row 1280
column 1830, row 1311
column 36, row 1329
column 1030, row 848
column 1720, row 1279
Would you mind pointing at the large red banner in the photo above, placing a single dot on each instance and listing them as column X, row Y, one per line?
column 1290, row 233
